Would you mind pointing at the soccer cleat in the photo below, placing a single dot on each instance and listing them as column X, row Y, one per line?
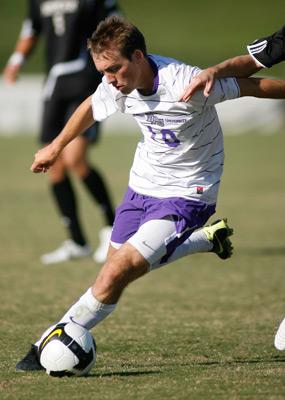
column 279, row 340
column 100, row 254
column 31, row 361
column 69, row 250
column 218, row 233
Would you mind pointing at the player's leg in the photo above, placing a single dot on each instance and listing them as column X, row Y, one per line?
column 153, row 241
column 212, row 238
column 126, row 264
column 123, row 266
column 75, row 160
column 94, row 182
column 88, row 308
column 189, row 216
column 62, row 191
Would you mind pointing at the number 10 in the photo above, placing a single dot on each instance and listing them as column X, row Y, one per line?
column 168, row 136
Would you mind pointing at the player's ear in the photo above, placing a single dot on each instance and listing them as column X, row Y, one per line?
column 137, row 55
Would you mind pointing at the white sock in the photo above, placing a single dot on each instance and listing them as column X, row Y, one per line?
column 88, row 311
column 196, row 243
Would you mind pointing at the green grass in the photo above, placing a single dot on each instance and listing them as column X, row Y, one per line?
column 200, row 33
column 198, row 329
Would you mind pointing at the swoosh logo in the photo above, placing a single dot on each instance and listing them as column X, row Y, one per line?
column 57, row 332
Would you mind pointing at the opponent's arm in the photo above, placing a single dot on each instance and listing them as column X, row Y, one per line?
column 23, row 48
column 240, row 66
column 80, row 120
column 262, row 87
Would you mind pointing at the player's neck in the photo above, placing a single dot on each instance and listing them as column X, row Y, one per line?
column 149, row 75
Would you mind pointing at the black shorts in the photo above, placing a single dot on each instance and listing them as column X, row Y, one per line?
column 56, row 112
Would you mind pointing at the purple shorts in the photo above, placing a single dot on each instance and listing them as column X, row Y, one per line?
column 136, row 209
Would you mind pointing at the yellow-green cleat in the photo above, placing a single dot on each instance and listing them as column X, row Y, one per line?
column 218, row 233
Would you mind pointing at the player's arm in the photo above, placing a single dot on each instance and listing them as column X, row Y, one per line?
column 78, row 123
column 240, row 66
column 23, row 48
column 262, row 87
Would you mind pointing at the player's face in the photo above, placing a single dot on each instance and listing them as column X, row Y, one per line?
column 122, row 73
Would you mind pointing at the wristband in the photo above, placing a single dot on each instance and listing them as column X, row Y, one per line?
column 16, row 58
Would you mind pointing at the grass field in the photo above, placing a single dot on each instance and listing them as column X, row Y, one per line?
column 198, row 329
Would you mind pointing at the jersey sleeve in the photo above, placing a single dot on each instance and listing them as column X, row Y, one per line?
column 32, row 25
column 103, row 102
column 269, row 50
column 223, row 89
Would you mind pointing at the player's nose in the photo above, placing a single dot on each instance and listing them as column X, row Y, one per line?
column 110, row 78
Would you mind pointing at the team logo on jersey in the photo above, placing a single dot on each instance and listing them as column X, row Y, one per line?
column 200, row 189
column 153, row 119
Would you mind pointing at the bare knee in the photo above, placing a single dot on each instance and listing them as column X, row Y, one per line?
column 123, row 267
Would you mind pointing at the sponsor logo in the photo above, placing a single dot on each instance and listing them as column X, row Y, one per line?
column 57, row 332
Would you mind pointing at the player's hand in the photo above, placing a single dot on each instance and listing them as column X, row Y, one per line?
column 10, row 73
column 44, row 159
column 203, row 81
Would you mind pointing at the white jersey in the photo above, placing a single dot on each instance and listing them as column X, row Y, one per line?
column 181, row 153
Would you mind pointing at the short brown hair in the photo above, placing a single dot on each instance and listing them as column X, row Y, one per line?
column 119, row 32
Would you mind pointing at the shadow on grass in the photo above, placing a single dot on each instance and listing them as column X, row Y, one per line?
column 238, row 361
column 165, row 366
column 263, row 251
column 274, row 359
column 123, row 374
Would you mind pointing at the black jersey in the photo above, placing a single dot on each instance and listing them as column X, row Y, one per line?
column 269, row 50
column 66, row 25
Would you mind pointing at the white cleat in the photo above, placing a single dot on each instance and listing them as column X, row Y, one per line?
column 100, row 254
column 69, row 250
column 279, row 341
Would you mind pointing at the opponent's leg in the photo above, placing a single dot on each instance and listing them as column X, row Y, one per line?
column 75, row 159
column 65, row 199
column 53, row 119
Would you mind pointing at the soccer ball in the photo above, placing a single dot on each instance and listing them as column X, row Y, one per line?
column 67, row 349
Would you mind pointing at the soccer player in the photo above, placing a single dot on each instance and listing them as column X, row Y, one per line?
column 71, row 77
column 263, row 53
column 177, row 168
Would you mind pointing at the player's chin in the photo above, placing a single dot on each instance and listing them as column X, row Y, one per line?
column 124, row 89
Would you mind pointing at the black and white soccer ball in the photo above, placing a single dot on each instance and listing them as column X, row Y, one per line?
column 67, row 349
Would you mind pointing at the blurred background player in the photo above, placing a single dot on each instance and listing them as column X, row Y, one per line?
column 71, row 77
column 263, row 53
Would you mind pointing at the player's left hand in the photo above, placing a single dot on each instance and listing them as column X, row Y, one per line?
column 203, row 81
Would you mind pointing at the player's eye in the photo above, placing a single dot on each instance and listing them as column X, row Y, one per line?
column 113, row 69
